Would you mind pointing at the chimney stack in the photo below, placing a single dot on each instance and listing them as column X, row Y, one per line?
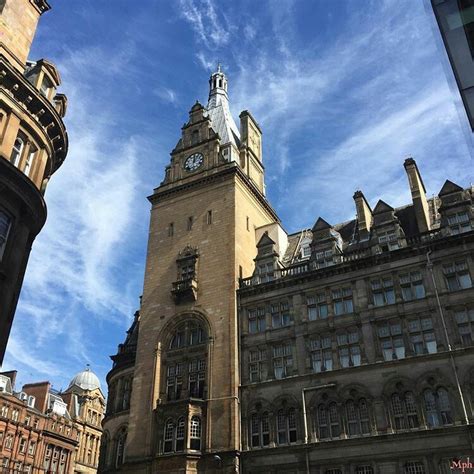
column 418, row 195
column 364, row 215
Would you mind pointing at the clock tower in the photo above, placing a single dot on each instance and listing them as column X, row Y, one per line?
column 184, row 409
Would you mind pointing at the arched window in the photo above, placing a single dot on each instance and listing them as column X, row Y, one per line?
column 404, row 411
column 174, row 435
column 328, row 423
column 260, row 430
column 126, row 392
column 438, row 408
column 286, row 426
column 169, row 436
column 180, row 433
column 120, row 448
column 187, row 334
column 17, row 151
column 104, row 447
column 186, row 362
column 195, row 433
column 358, row 417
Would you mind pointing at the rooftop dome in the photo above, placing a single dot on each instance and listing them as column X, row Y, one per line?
column 86, row 379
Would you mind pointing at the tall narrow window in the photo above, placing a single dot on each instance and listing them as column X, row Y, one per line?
column 171, row 229
column 382, row 291
column 30, row 161
column 342, row 301
column 247, row 221
column 260, row 430
column 169, row 436
column 120, row 452
column 357, row 417
column 197, row 378
column 349, row 349
column 422, row 336
column 257, row 365
column 321, row 353
column 209, row 217
column 282, row 360
column 5, row 225
column 412, row 286
column 457, row 276
column 280, row 314
column 180, row 433
column 256, row 319
column 174, row 381
column 465, row 322
column 404, row 411
column 190, row 223
column 195, row 433
column 17, row 151
column 286, row 426
column 328, row 423
column 438, row 408
column 391, row 340
column 318, row 307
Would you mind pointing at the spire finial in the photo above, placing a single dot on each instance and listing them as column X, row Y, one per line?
column 219, row 66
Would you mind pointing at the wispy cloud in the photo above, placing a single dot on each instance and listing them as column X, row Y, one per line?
column 211, row 29
column 71, row 283
column 166, row 94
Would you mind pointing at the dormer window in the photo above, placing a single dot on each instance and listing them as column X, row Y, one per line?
column 305, row 251
column 324, row 259
column 46, row 86
column 459, row 223
column 388, row 241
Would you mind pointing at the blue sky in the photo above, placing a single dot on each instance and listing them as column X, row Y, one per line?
column 344, row 90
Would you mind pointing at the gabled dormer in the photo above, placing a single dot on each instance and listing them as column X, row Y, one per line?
column 456, row 210
column 267, row 260
column 387, row 233
column 44, row 76
column 326, row 246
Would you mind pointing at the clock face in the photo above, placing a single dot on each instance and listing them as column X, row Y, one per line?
column 193, row 162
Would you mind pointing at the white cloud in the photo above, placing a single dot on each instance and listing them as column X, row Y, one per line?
column 75, row 280
column 211, row 29
column 166, row 94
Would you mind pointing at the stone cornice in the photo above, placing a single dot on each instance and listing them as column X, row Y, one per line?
column 217, row 174
column 38, row 107
column 358, row 264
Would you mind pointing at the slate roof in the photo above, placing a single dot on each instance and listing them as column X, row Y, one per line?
column 349, row 230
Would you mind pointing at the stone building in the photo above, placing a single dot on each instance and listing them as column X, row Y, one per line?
column 37, row 434
column 341, row 349
column 33, row 145
column 86, row 405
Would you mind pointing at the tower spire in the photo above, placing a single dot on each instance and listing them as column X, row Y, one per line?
column 217, row 88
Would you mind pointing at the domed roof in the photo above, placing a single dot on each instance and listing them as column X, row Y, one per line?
column 86, row 379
